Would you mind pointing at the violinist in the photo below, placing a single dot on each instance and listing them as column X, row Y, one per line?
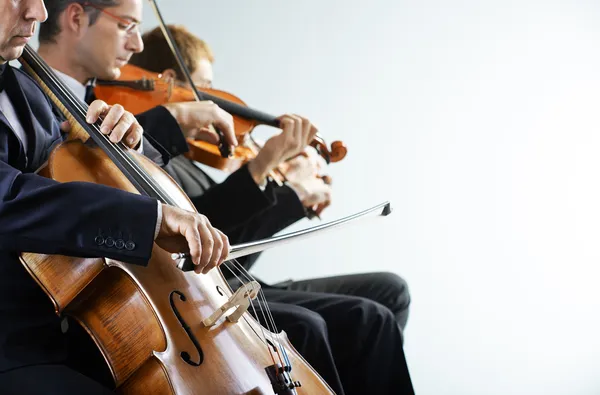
column 92, row 39
column 40, row 215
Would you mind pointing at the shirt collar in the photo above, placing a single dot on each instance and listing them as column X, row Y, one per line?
column 77, row 87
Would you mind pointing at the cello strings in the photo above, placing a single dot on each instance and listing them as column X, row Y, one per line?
column 270, row 322
column 231, row 269
column 121, row 150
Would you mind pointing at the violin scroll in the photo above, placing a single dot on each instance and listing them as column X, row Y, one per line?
column 337, row 153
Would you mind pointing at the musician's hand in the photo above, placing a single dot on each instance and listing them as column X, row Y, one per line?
column 195, row 119
column 297, row 133
column 302, row 173
column 185, row 231
column 307, row 165
column 117, row 123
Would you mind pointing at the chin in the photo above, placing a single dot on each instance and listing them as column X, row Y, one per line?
column 109, row 74
column 12, row 53
column 116, row 73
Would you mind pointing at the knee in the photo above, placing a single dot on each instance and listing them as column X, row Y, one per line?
column 370, row 314
column 366, row 311
column 309, row 328
column 396, row 287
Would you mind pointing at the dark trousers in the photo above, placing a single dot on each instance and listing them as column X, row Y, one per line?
column 353, row 341
column 385, row 288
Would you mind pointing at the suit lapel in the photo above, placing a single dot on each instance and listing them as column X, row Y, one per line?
column 15, row 154
column 23, row 111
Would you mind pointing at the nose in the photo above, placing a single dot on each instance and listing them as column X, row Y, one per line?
column 135, row 43
column 35, row 11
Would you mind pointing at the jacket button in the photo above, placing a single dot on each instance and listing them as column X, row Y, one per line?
column 99, row 240
column 110, row 242
column 130, row 245
column 120, row 244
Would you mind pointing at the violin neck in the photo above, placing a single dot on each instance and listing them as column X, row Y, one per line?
column 243, row 111
column 144, row 84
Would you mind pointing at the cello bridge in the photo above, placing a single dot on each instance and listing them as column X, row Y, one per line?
column 240, row 300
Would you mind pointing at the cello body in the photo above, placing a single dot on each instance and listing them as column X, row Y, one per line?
column 136, row 315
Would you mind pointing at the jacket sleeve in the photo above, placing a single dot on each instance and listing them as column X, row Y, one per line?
column 163, row 130
column 40, row 215
column 234, row 201
column 287, row 210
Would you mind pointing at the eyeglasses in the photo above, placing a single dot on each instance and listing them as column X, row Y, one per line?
column 128, row 26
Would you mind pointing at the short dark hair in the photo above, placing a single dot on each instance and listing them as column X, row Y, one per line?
column 50, row 28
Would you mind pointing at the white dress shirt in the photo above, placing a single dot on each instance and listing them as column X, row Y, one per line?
column 11, row 116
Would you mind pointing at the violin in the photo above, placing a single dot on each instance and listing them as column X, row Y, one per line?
column 139, row 90
column 160, row 329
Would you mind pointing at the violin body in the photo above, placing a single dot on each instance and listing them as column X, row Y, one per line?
column 133, row 313
column 137, row 101
column 139, row 90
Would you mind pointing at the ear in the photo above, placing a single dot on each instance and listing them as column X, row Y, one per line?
column 75, row 19
column 169, row 74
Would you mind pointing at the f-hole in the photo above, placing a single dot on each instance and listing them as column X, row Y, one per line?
column 185, row 355
column 220, row 291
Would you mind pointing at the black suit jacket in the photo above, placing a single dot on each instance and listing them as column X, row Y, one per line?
column 43, row 216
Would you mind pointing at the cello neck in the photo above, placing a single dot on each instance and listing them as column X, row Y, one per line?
column 76, row 110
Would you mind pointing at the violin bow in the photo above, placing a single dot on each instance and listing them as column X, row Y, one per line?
column 224, row 148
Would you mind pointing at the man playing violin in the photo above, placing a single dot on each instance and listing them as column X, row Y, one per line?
column 353, row 342
column 40, row 215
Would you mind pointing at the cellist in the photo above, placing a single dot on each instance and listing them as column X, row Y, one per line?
column 43, row 216
column 323, row 328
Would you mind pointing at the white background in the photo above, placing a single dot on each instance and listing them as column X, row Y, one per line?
column 479, row 121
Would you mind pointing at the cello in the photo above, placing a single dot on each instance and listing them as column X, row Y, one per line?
column 160, row 329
